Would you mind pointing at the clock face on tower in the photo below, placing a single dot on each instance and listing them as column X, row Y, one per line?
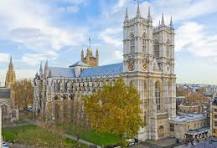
column 131, row 64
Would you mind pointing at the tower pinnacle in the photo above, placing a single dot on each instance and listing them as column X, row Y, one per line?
column 82, row 55
column 138, row 9
column 46, row 69
column 149, row 14
column 162, row 19
column 126, row 15
column 89, row 42
column 40, row 69
column 171, row 22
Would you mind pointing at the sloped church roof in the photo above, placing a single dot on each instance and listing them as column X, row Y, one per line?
column 105, row 70
column 61, row 72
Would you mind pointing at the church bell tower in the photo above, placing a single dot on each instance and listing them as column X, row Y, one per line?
column 11, row 76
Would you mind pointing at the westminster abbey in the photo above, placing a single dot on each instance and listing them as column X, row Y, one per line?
column 148, row 64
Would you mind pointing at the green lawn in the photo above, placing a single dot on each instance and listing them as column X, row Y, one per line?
column 95, row 137
column 40, row 137
column 100, row 138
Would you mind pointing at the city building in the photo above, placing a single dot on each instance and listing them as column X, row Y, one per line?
column 189, row 126
column 148, row 64
column 213, row 118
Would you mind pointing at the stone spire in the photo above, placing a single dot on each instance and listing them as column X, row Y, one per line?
column 149, row 14
column 46, row 70
column 89, row 50
column 138, row 10
column 41, row 69
column 82, row 55
column 162, row 19
column 89, row 42
column 171, row 22
column 11, row 76
column 126, row 15
column 11, row 66
column 97, row 57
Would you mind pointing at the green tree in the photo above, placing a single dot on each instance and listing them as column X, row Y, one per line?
column 23, row 93
column 115, row 109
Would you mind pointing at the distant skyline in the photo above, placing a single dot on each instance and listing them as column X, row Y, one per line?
column 35, row 30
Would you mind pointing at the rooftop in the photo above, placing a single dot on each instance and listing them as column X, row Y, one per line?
column 214, row 101
column 105, row 70
column 79, row 63
column 5, row 92
column 188, row 118
column 61, row 72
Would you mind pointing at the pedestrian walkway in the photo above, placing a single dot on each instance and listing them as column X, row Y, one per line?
column 80, row 140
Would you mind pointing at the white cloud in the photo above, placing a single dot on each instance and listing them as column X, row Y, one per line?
column 111, row 36
column 4, row 57
column 29, row 25
column 194, row 38
column 184, row 9
column 117, row 55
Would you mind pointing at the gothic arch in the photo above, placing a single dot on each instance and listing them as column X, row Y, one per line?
column 161, row 131
column 145, row 103
column 168, row 49
column 131, row 83
column 144, row 37
column 157, row 94
column 5, row 111
column 132, row 42
column 156, row 49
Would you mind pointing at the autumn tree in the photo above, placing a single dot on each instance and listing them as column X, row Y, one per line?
column 23, row 93
column 115, row 109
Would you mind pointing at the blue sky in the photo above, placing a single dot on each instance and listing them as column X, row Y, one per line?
column 36, row 30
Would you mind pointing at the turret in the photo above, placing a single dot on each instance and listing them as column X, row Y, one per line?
column 138, row 11
column 40, row 69
column 171, row 23
column 82, row 55
column 46, row 70
column 97, row 57
column 149, row 14
column 89, row 58
column 162, row 20
column 126, row 16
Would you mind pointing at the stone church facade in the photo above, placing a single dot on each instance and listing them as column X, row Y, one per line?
column 148, row 64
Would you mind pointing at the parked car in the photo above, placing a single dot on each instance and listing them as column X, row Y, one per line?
column 29, row 109
column 132, row 141
column 5, row 145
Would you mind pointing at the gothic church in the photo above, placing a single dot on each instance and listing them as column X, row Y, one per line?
column 148, row 64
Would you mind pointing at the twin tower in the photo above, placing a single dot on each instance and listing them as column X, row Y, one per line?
column 148, row 64
column 147, row 48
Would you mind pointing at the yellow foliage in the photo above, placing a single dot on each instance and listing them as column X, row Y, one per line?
column 114, row 109
column 23, row 93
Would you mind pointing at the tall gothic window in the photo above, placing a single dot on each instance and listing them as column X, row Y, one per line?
column 132, row 43
column 157, row 95
column 144, row 42
column 156, row 49
column 168, row 49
